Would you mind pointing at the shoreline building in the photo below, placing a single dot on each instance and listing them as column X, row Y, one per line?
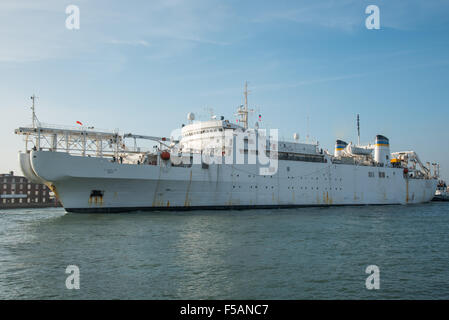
column 19, row 192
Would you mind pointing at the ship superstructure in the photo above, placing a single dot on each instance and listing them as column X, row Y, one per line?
column 216, row 164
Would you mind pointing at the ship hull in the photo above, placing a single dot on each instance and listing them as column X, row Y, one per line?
column 89, row 184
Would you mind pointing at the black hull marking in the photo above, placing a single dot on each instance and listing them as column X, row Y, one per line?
column 233, row 207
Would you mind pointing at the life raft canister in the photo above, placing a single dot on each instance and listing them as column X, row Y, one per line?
column 165, row 155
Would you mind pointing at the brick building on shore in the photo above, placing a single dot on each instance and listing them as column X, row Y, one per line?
column 18, row 192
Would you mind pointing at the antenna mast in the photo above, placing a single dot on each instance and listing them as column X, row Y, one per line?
column 243, row 110
column 34, row 119
column 358, row 129
column 308, row 129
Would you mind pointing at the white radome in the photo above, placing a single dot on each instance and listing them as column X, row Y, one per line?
column 296, row 136
column 190, row 116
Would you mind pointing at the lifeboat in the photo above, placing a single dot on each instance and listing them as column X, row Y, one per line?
column 165, row 155
column 356, row 150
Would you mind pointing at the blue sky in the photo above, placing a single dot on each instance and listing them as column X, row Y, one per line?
column 141, row 66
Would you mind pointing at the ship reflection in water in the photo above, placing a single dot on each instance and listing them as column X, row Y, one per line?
column 303, row 253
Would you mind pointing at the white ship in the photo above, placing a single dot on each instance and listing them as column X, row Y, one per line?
column 210, row 167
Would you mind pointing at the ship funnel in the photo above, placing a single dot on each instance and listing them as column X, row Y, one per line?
column 382, row 150
column 340, row 145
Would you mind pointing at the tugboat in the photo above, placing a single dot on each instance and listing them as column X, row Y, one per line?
column 442, row 192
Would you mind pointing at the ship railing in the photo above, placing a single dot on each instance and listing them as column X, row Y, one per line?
column 76, row 128
column 78, row 142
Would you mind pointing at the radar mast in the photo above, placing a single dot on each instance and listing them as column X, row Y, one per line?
column 34, row 118
column 243, row 110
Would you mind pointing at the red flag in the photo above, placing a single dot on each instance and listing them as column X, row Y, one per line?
column 79, row 122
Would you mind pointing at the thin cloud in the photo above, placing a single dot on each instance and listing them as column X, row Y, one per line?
column 202, row 40
column 343, row 14
column 350, row 76
column 289, row 85
column 350, row 14
column 129, row 43
column 32, row 32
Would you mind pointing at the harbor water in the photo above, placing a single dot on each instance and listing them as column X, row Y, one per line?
column 303, row 253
